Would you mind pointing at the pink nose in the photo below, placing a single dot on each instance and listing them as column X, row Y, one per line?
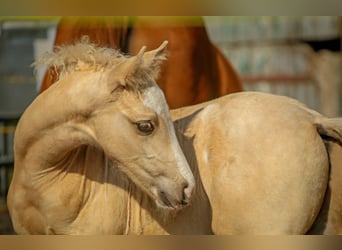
column 187, row 192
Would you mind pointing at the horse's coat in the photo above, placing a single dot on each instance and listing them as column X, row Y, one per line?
column 95, row 152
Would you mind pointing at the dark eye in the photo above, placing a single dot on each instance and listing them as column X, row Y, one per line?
column 145, row 127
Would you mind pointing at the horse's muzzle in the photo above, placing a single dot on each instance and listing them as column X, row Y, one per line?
column 176, row 199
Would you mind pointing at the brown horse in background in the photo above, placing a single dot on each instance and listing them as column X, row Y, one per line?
column 196, row 70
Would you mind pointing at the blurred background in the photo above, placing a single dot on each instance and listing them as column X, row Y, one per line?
column 298, row 57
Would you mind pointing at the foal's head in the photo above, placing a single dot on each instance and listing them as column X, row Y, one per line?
column 126, row 115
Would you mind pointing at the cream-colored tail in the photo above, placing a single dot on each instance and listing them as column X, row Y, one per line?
column 330, row 129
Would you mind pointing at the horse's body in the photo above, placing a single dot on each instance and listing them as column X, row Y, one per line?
column 275, row 170
column 196, row 70
column 259, row 162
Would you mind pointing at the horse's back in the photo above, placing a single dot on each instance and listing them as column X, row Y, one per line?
column 262, row 163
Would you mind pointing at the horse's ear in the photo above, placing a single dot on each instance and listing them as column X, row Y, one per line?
column 148, row 62
column 153, row 59
column 124, row 70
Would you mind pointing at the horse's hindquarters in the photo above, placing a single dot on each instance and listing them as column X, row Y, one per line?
column 265, row 172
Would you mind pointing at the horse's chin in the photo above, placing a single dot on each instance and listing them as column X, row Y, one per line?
column 170, row 208
column 164, row 203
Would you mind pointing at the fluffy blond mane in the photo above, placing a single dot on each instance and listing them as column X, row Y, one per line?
column 80, row 55
column 84, row 55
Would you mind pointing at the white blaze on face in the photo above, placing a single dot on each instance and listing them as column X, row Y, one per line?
column 155, row 100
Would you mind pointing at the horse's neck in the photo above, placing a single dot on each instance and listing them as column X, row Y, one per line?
column 50, row 127
column 51, row 142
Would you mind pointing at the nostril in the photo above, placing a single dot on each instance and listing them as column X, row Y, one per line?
column 187, row 191
column 184, row 202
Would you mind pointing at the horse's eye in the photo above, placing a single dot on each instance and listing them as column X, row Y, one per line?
column 145, row 126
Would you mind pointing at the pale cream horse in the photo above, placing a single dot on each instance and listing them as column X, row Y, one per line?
column 106, row 114
column 97, row 160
